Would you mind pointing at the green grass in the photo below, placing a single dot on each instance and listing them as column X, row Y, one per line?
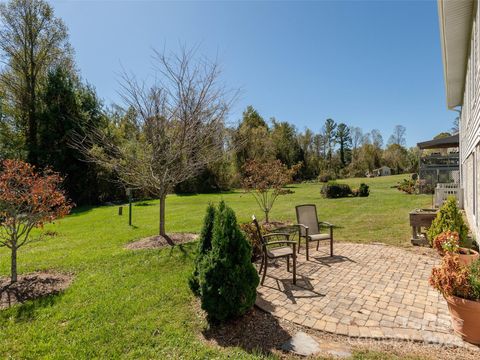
column 136, row 304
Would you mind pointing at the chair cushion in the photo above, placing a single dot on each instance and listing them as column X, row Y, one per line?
column 279, row 251
column 316, row 237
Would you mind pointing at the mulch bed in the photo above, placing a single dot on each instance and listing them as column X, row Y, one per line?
column 255, row 331
column 158, row 241
column 272, row 225
column 32, row 286
column 258, row 331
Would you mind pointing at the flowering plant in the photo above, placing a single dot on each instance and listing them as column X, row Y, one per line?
column 447, row 242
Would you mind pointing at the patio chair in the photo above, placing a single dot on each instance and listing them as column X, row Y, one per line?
column 309, row 227
column 276, row 252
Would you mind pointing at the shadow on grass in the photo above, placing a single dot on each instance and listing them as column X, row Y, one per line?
column 28, row 310
column 80, row 210
column 225, row 192
column 255, row 332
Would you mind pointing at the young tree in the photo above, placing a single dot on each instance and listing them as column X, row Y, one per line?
column 345, row 142
column 180, row 128
column 32, row 40
column 28, row 199
column 266, row 182
column 398, row 136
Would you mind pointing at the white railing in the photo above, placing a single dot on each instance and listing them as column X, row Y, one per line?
column 445, row 190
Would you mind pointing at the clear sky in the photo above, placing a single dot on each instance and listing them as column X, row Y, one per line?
column 368, row 64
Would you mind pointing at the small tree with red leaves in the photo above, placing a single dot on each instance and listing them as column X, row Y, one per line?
column 266, row 180
column 28, row 200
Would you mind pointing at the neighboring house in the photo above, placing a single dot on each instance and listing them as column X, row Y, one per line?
column 460, row 38
column 382, row 171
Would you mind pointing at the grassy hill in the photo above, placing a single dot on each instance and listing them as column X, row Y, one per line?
column 136, row 304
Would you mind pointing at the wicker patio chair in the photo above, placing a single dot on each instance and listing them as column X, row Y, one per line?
column 309, row 228
column 281, row 249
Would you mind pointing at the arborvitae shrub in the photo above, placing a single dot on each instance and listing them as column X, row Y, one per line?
column 227, row 278
column 448, row 218
column 335, row 190
column 204, row 246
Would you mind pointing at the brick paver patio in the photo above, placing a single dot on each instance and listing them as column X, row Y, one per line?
column 372, row 291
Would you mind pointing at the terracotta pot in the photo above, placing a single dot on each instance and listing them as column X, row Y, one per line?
column 465, row 318
column 467, row 256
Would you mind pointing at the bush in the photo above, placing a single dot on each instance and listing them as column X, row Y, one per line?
column 251, row 234
column 204, row 246
column 334, row 190
column 451, row 278
column 448, row 218
column 408, row 186
column 227, row 278
column 363, row 190
column 447, row 241
column 326, row 176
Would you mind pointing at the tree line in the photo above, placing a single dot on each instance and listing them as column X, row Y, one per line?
column 171, row 136
column 337, row 151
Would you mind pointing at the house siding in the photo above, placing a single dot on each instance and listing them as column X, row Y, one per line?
column 470, row 132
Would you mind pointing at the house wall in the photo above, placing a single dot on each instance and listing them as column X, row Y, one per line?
column 470, row 132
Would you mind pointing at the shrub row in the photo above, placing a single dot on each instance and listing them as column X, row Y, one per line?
column 333, row 190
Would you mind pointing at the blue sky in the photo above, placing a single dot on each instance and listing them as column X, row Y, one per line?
column 369, row 64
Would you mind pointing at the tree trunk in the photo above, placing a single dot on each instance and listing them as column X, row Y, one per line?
column 14, row 264
column 162, row 214
column 266, row 217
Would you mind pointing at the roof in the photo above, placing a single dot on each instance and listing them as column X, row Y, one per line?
column 456, row 18
column 442, row 143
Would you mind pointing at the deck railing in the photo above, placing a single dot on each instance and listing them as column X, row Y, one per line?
column 444, row 191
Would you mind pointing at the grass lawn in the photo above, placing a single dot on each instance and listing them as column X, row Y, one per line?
column 136, row 304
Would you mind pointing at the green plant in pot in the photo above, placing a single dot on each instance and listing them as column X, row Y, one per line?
column 449, row 218
column 460, row 285
column 449, row 242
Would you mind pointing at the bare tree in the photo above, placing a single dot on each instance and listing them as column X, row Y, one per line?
column 32, row 40
column 180, row 127
column 357, row 136
column 398, row 136
column 377, row 138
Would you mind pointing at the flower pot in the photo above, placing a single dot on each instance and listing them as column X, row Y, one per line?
column 465, row 318
column 467, row 256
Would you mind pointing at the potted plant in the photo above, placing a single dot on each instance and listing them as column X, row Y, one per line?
column 449, row 218
column 449, row 242
column 460, row 285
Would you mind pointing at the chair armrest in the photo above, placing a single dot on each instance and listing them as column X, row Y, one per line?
column 287, row 235
column 326, row 224
column 301, row 225
column 282, row 242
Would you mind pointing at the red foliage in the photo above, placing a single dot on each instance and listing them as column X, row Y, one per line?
column 451, row 278
column 28, row 199
column 447, row 241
